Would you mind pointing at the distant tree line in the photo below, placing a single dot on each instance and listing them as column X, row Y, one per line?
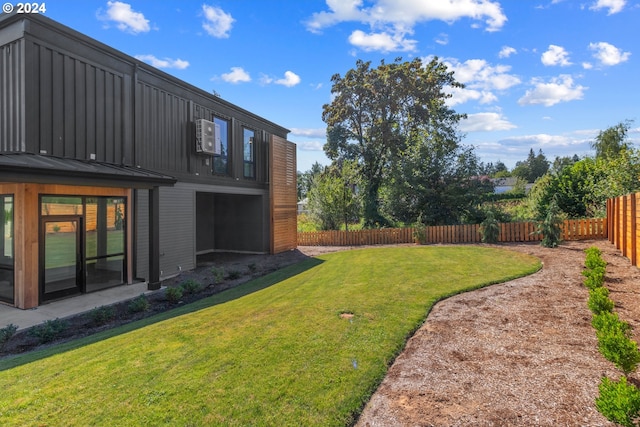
column 398, row 159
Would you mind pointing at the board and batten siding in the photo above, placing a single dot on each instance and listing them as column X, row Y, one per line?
column 81, row 109
column 164, row 141
column 12, row 85
column 177, row 230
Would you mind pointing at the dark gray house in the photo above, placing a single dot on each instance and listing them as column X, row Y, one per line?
column 112, row 171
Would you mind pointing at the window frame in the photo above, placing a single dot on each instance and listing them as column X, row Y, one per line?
column 249, row 165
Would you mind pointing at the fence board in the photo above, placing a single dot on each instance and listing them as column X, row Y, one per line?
column 595, row 228
column 623, row 225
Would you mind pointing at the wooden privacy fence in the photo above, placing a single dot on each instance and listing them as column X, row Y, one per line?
column 580, row 229
column 622, row 225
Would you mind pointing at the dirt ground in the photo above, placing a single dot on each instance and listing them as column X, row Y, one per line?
column 522, row 353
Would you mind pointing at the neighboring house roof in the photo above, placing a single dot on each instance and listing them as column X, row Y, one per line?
column 510, row 180
column 41, row 167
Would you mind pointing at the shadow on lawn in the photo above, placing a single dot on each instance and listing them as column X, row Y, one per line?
column 225, row 296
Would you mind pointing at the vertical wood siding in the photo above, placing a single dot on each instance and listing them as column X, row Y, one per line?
column 283, row 195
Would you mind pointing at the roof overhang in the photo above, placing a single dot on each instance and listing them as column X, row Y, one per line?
column 27, row 167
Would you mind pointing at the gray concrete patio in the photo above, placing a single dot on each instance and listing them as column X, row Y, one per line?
column 69, row 306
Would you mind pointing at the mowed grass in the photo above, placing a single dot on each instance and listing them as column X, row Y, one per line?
column 280, row 355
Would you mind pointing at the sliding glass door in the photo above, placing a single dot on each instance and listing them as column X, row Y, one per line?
column 83, row 241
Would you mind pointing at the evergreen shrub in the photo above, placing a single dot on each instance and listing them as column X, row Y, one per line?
column 599, row 300
column 619, row 401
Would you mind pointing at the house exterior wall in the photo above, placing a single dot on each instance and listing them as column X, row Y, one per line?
column 12, row 84
column 65, row 95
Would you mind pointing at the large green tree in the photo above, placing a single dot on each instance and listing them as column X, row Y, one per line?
column 612, row 141
column 333, row 196
column 376, row 113
column 436, row 182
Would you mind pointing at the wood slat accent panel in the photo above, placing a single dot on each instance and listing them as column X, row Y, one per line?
column 283, row 195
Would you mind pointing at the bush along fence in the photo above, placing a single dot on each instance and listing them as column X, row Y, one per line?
column 579, row 229
column 623, row 218
column 619, row 400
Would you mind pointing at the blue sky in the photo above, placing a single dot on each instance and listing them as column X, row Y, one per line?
column 541, row 74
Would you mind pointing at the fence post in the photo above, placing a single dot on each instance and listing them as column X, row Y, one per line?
column 633, row 231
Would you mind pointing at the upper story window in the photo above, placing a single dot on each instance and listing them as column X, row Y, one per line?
column 221, row 161
column 249, row 151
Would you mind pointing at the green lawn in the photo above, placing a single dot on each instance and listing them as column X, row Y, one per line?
column 272, row 352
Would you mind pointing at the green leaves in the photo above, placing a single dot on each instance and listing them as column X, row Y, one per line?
column 377, row 114
column 619, row 401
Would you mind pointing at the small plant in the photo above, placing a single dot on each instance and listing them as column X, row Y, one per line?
column 594, row 259
column 490, row 228
column 253, row 267
column 191, row 286
column 173, row 295
column 619, row 401
column 138, row 304
column 614, row 341
column 599, row 300
column 102, row 315
column 607, row 321
column 49, row 330
column 234, row 274
column 594, row 278
column 551, row 227
column 218, row 274
column 6, row 333
column 420, row 231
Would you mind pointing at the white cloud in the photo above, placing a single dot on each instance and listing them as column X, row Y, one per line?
column 460, row 96
column 607, row 54
column 309, row 132
column 126, row 19
column 555, row 55
column 479, row 74
column 218, row 23
column 506, row 52
column 481, row 80
column 391, row 20
column 310, row 145
column 290, row 79
column 163, row 63
column 559, row 89
column 383, row 42
column 442, row 39
column 485, row 122
column 236, row 75
column 614, row 6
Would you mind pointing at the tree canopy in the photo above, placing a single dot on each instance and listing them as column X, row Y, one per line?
column 377, row 113
column 612, row 141
column 533, row 167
